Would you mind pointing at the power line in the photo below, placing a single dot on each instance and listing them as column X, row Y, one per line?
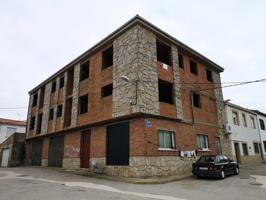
column 232, row 84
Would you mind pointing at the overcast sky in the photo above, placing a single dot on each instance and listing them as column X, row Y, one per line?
column 37, row 38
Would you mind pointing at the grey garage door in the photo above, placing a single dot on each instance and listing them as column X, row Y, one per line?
column 56, row 151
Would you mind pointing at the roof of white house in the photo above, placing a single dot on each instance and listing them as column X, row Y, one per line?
column 12, row 122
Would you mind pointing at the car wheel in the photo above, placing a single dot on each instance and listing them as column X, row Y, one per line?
column 222, row 175
column 236, row 171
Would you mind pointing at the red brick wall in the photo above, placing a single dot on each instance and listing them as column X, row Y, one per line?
column 45, row 148
column 72, row 145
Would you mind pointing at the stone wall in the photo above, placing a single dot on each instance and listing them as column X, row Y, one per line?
column 251, row 159
column 75, row 98
column 225, row 139
column 46, row 107
column 135, row 57
column 177, row 85
column 140, row 166
column 71, row 163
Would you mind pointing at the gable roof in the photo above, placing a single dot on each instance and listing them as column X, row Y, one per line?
column 132, row 22
column 12, row 122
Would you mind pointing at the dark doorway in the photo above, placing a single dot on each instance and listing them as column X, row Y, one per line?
column 237, row 152
column 118, row 144
column 56, row 151
column 36, row 153
column 85, row 149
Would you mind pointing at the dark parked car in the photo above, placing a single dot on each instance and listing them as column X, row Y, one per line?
column 217, row 166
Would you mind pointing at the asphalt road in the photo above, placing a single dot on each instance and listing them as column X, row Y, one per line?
column 46, row 184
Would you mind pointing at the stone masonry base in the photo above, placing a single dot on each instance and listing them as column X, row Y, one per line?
column 145, row 166
column 71, row 163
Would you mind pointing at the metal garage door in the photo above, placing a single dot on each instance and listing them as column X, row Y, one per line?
column 56, row 151
column 118, row 144
column 36, row 155
column 5, row 157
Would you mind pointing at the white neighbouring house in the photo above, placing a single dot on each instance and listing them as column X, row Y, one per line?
column 9, row 127
column 242, row 127
column 261, row 117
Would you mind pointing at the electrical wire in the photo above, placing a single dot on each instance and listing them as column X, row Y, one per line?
column 232, row 84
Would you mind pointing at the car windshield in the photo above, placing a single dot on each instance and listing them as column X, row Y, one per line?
column 206, row 159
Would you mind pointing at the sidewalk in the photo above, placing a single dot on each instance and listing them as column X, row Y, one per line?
column 150, row 180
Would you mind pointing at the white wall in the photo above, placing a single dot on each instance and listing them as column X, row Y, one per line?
column 241, row 133
column 262, row 133
column 3, row 131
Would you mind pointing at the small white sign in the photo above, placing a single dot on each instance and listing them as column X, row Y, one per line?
column 165, row 66
column 188, row 154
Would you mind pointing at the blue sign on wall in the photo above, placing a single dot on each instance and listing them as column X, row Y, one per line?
column 148, row 124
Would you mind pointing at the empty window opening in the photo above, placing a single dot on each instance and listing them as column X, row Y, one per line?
column 180, row 61
column 264, row 144
column 107, row 58
column 85, row 71
column 245, row 148
column 163, row 52
column 68, row 112
column 256, row 148
column 83, row 104
column 70, row 81
column 165, row 92
column 39, row 124
column 262, row 125
column 42, row 97
column 53, row 86
column 59, row 111
column 32, row 123
column 209, row 75
column 107, row 90
column 166, row 139
column 244, row 120
column 235, row 118
column 51, row 114
column 193, row 67
column 196, row 100
column 61, row 82
column 35, row 99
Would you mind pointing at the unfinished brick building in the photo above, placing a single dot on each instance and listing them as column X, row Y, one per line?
column 137, row 104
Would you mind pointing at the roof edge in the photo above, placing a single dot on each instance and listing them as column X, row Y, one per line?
column 133, row 21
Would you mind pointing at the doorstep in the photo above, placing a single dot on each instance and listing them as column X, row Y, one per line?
column 149, row 180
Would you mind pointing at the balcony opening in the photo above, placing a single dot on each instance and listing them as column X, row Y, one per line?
column 32, row 123
column 51, row 114
column 84, row 71
column 165, row 92
column 193, row 67
column 39, row 124
column 53, row 86
column 196, row 100
column 107, row 90
column 35, row 99
column 68, row 112
column 107, row 58
column 42, row 97
column 163, row 53
column 181, row 61
column 209, row 75
column 83, row 104
column 61, row 82
column 70, row 81
column 59, row 111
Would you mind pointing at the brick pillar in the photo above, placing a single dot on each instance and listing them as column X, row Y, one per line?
column 177, row 85
column 55, row 106
column 74, row 115
column 64, row 102
column 225, row 139
column 29, row 115
column 37, row 106
column 46, row 106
